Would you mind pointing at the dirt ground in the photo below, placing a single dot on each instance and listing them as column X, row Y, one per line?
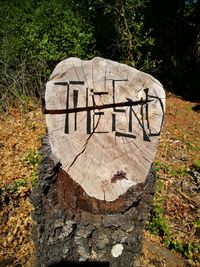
column 178, row 154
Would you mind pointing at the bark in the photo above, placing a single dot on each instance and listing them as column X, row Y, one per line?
column 68, row 231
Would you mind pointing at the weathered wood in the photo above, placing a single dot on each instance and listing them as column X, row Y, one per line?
column 96, row 183
column 114, row 116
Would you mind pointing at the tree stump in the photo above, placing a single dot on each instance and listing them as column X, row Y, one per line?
column 96, row 180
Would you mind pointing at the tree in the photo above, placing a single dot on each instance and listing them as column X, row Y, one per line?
column 36, row 35
column 175, row 29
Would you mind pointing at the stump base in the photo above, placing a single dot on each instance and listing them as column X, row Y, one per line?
column 67, row 232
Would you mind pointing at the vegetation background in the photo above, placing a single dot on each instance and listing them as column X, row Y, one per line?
column 159, row 37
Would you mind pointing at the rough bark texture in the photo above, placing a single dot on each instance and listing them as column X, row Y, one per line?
column 71, row 230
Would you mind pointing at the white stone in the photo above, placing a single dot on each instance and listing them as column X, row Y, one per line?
column 117, row 250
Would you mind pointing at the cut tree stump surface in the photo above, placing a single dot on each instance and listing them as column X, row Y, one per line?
column 104, row 120
column 96, row 181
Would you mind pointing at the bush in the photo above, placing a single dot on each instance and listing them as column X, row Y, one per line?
column 35, row 36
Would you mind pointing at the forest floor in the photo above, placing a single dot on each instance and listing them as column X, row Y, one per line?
column 172, row 235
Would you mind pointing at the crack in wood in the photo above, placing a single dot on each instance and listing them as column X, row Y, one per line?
column 85, row 145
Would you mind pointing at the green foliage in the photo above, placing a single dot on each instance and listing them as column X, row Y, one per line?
column 197, row 223
column 136, row 40
column 11, row 189
column 197, row 165
column 169, row 170
column 186, row 249
column 36, row 35
column 4, row 107
column 15, row 185
column 191, row 146
column 56, row 32
column 121, row 31
column 158, row 224
column 33, row 159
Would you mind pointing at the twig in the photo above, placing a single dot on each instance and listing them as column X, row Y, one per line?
column 187, row 198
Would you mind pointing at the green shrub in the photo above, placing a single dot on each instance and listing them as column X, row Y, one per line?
column 157, row 224
column 35, row 36
column 15, row 185
column 33, row 159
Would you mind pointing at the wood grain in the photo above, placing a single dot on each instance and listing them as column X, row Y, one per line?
column 105, row 147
